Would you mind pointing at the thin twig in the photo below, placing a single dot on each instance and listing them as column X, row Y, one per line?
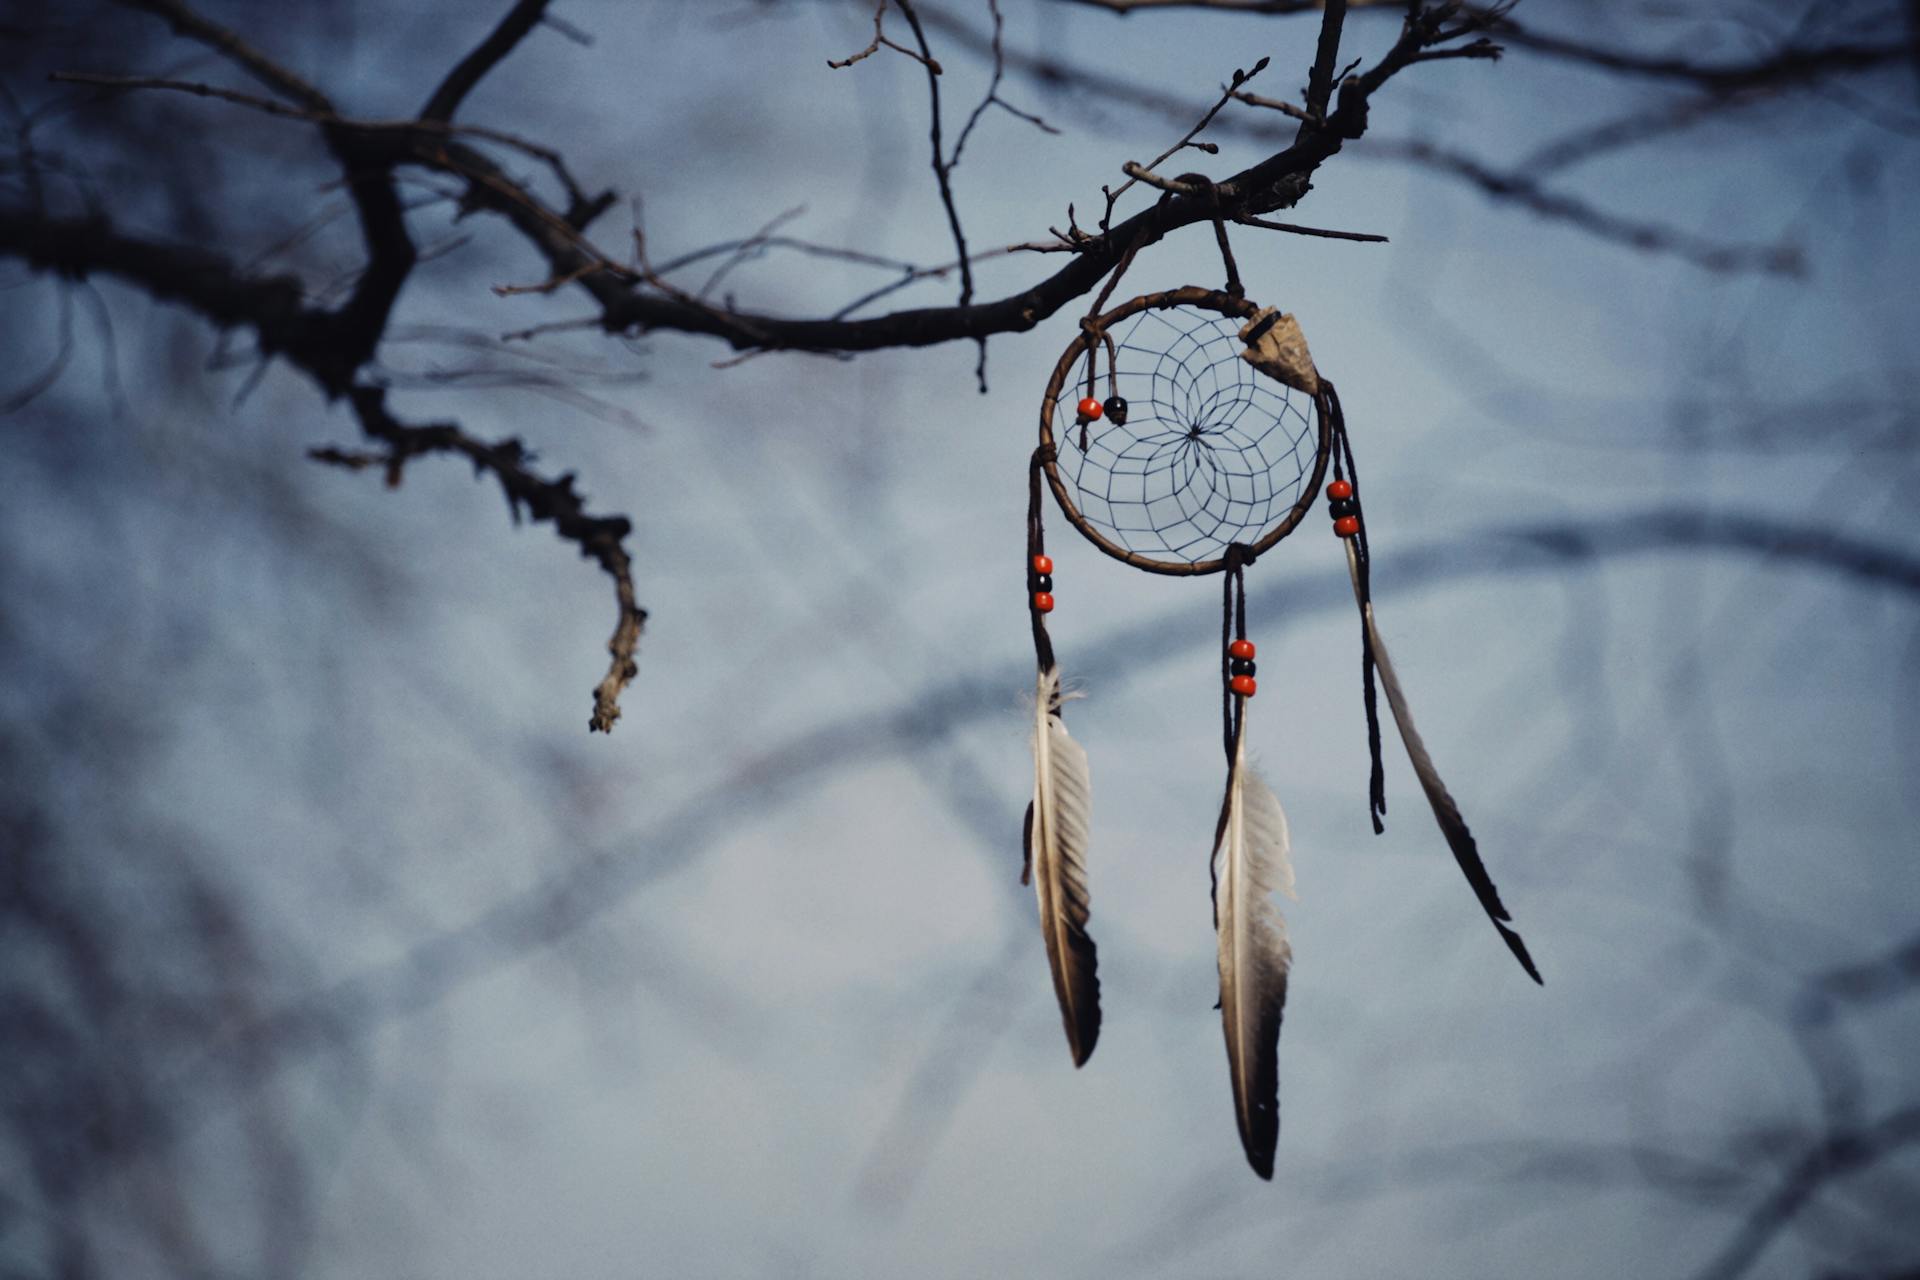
column 1181, row 186
column 553, row 326
column 1272, row 104
column 1271, row 184
column 993, row 93
column 648, row 275
column 427, row 128
column 186, row 22
column 1239, row 78
column 1295, row 228
column 880, row 40
column 1228, row 6
column 547, row 286
column 748, row 247
column 941, row 166
column 808, row 248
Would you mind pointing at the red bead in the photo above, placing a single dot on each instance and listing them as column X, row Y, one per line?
column 1042, row 564
column 1240, row 649
column 1043, row 601
column 1090, row 408
column 1339, row 489
column 1245, row 686
column 1347, row 526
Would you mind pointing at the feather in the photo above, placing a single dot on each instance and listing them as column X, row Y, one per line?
column 1056, row 840
column 1249, row 865
column 1445, row 811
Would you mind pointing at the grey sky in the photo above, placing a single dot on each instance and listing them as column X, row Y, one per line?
column 798, row 1021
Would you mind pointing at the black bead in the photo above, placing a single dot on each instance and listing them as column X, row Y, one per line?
column 1116, row 410
column 1339, row 507
column 1240, row 667
column 1043, row 582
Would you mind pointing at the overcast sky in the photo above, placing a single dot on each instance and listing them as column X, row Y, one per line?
column 750, row 987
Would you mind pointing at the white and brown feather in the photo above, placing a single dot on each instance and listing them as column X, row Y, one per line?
column 1057, row 828
column 1250, row 865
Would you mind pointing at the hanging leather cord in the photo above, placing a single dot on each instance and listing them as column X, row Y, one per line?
column 1234, row 288
column 1344, row 469
column 1037, row 546
column 1233, row 626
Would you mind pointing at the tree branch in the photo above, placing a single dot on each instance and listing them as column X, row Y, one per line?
column 1840, row 1154
column 600, row 538
column 993, row 97
column 1227, row 6
column 1522, row 189
column 333, row 346
column 941, row 166
column 427, row 130
column 1786, row 67
column 627, row 305
column 1326, row 55
column 76, row 248
column 522, row 18
column 185, row 22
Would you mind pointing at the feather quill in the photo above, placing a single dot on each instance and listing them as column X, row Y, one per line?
column 1250, row 864
column 1445, row 811
column 1056, row 839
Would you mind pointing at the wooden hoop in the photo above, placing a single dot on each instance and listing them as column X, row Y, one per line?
column 1095, row 330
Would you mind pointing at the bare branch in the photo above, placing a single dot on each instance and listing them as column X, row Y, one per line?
column 1274, row 183
column 1842, row 1153
column 334, row 345
column 426, row 128
column 1175, row 186
column 75, row 248
column 942, row 163
column 748, row 247
column 1272, row 104
column 63, row 352
column 1226, row 6
column 1519, row 188
column 600, row 538
column 227, row 44
column 880, row 40
column 1789, row 66
column 993, row 97
column 1271, row 184
column 547, row 286
column 1873, row 981
column 941, row 166
column 1634, row 129
column 1326, row 54
column 1294, row 228
column 1503, row 187
column 500, row 42
column 1239, row 78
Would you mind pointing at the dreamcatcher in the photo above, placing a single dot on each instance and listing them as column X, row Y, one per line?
column 1188, row 433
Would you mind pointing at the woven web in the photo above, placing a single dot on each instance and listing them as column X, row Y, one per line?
column 1213, row 452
